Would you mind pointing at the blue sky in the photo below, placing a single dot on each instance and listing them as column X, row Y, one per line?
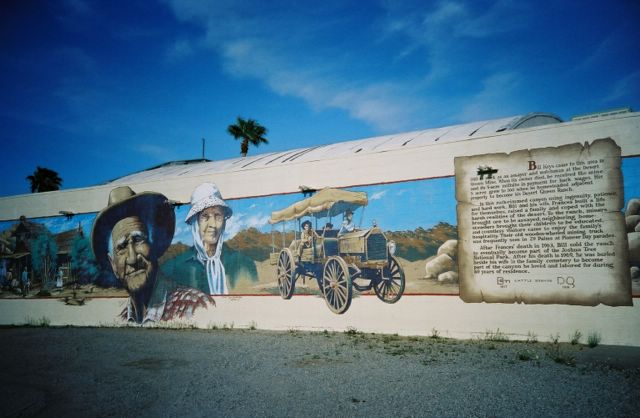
column 99, row 89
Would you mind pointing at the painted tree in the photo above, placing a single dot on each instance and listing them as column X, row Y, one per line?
column 44, row 257
column 83, row 263
column 44, row 180
column 250, row 132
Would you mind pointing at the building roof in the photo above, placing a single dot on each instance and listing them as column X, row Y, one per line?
column 473, row 130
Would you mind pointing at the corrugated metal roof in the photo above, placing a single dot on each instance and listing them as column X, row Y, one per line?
column 341, row 149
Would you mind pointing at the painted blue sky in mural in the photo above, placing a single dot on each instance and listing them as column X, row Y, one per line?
column 100, row 89
column 395, row 207
column 630, row 179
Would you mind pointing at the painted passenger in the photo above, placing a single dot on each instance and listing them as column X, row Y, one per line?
column 306, row 237
column 129, row 236
column 204, row 267
column 347, row 223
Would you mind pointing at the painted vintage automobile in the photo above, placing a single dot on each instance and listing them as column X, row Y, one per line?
column 339, row 260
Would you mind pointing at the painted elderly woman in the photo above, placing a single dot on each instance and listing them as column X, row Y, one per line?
column 205, row 270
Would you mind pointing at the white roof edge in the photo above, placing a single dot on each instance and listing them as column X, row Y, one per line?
column 240, row 183
column 320, row 152
column 271, row 158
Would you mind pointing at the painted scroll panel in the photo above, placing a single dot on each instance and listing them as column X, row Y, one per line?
column 544, row 226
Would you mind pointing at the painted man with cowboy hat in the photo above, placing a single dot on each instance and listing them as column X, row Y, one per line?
column 209, row 267
column 128, row 237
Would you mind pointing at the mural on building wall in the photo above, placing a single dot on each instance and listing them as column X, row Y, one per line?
column 393, row 240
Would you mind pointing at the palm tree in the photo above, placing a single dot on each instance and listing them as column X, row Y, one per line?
column 250, row 131
column 44, row 180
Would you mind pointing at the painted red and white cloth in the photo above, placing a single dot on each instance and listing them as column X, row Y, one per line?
column 179, row 304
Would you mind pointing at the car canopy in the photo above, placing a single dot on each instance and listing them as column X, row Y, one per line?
column 326, row 202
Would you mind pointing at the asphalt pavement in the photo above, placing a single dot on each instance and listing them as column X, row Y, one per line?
column 158, row 372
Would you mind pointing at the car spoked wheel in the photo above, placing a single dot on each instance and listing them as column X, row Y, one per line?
column 389, row 287
column 286, row 274
column 336, row 285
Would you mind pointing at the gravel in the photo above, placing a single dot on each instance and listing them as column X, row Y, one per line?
column 159, row 372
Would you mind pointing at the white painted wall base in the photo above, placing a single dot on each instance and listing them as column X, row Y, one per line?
column 412, row 315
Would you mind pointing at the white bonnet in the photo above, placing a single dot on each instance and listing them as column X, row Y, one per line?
column 205, row 196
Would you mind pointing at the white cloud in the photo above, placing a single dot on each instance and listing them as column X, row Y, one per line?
column 79, row 7
column 251, row 46
column 294, row 53
column 71, row 14
column 446, row 13
column 240, row 221
column 458, row 19
column 500, row 17
column 183, row 233
column 76, row 57
column 180, row 49
column 387, row 106
column 155, row 151
column 377, row 195
column 601, row 54
column 57, row 224
column 442, row 32
column 495, row 96
column 626, row 87
column 257, row 221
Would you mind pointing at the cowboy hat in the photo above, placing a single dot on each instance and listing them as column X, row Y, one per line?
column 153, row 209
column 205, row 196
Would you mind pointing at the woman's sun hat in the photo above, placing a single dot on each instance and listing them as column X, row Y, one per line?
column 205, row 196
